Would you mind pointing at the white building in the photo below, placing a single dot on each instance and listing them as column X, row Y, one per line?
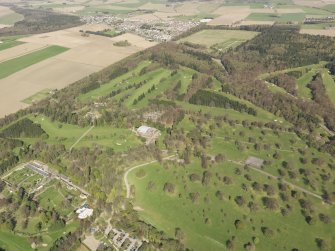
column 146, row 131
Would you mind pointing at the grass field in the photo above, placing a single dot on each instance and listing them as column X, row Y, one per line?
column 10, row 241
column 11, row 19
column 281, row 18
column 208, row 222
column 120, row 139
column 54, row 196
column 115, row 84
column 37, row 97
column 11, row 66
column 317, row 26
column 328, row 81
column 222, row 39
column 9, row 42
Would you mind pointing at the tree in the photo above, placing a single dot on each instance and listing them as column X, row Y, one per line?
column 322, row 244
column 169, row 187
column 179, row 234
column 239, row 224
column 239, row 200
column 270, row 203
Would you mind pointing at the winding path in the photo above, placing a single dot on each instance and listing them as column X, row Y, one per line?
column 125, row 177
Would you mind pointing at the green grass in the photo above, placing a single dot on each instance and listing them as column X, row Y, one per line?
column 325, row 10
column 14, row 65
column 120, row 139
column 9, row 42
column 54, row 197
column 169, row 211
column 93, row 10
column 261, row 113
column 12, row 242
column 37, row 97
column 154, row 79
column 329, row 8
column 119, row 82
column 318, row 26
column 281, row 18
column 303, row 90
column 328, row 81
column 11, row 19
column 213, row 37
column 112, row 32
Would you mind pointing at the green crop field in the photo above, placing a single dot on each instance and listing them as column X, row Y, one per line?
column 9, row 42
column 281, row 18
column 11, row 66
column 223, row 39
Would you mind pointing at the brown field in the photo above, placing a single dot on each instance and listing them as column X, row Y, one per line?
column 4, row 11
column 70, row 9
column 329, row 32
column 19, row 50
column 230, row 15
column 87, row 55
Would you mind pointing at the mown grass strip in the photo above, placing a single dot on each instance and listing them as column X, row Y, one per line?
column 11, row 66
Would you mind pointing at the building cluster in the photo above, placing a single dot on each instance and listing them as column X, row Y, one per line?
column 153, row 30
column 123, row 241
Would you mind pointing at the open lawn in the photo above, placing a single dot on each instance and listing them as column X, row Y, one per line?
column 115, row 84
column 120, row 139
column 328, row 81
column 16, row 64
column 12, row 242
column 281, row 18
column 54, row 196
column 303, row 90
column 222, row 39
column 207, row 211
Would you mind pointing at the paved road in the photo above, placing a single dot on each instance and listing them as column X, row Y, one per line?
column 125, row 177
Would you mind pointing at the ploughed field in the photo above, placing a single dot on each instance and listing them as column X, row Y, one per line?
column 42, row 62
